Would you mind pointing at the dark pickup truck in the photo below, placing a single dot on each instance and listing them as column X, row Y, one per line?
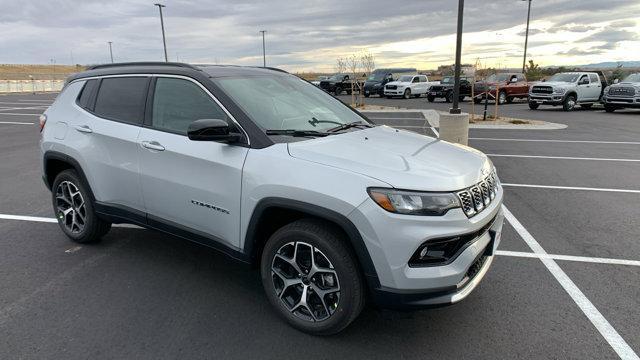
column 508, row 85
column 338, row 83
column 445, row 89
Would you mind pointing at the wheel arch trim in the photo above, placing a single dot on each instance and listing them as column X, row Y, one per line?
column 56, row 155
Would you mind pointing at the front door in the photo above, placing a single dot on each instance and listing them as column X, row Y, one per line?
column 584, row 88
column 193, row 185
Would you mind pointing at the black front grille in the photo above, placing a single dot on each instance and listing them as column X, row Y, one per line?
column 391, row 87
column 542, row 90
column 437, row 88
column 622, row 91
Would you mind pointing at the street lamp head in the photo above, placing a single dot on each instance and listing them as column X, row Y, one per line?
column 159, row 5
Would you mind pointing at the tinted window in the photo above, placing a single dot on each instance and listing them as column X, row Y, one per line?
column 593, row 78
column 87, row 94
column 583, row 79
column 122, row 99
column 178, row 102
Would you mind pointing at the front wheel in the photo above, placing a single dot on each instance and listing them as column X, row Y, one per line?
column 569, row 103
column 431, row 98
column 449, row 97
column 533, row 105
column 366, row 95
column 74, row 209
column 311, row 277
column 337, row 91
column 407, row 94
column 502, row 97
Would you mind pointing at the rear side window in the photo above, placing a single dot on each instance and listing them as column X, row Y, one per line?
column 122, row 99
column 85, row 99
column 593, row 78
column 178, row 102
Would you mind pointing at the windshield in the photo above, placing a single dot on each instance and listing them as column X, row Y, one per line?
column 632, row 78
column 336, row 77
column 565, row 77
column 379, row 76
column 498, row 78
column 287, row 103
column 405, row 78
column 448, row 80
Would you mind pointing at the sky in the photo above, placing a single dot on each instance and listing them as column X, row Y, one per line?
column 309, row 35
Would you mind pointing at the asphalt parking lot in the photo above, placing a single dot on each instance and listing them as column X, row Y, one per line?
column 566, row 283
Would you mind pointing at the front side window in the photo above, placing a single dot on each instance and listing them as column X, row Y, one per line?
column 584, row 80
column 122, row 99
column 632, row 78
column 276, row 102
column 179, row 102
column 405, row 78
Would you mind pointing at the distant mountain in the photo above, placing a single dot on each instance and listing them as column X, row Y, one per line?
column 612, row 64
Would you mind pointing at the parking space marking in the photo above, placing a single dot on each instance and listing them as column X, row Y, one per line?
column 23, row 108
column 561, row 157
column 561, row 141
column 586, row 259
column 610, row 334
column 13, row 114
column 571, row 188
column 395, row 118
column 16, row 123
column 27, row 218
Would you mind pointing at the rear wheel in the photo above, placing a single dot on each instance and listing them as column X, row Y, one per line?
column 74, row 209
column 431, row 98
column 311, row 277
column 337, row 91
column 533, row 105
column 449, row 97
column 569, row 103
column 502, row 97
column 407, row 94
column 509, row 99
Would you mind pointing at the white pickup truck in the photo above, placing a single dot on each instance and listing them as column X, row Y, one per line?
column 409, row 85
column 568, row 89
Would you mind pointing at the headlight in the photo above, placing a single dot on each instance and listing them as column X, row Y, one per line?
column 606, row 90
column 637, row 90
column 414, row 203
column 559, row 90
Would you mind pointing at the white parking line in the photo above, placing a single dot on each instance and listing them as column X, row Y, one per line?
column 586, row 259
column 610, row 334
column 571, row 188
column 13, row 114
column 559, row 157
column 395, row 118
column 562, row 141
column 52, row 220
column 16, row 123
column 23, row 108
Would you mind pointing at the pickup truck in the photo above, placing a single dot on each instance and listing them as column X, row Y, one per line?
column 374, row 85
column 508, row 85
column 568, row 90
column 338, row 83
column 409, row 85
column 625, row 94
column 445, row 89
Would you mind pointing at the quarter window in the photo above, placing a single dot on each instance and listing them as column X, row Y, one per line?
column 122, row 99
column 87, row 94
column 178, row 102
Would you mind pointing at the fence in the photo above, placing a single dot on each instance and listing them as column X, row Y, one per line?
column 30, row 86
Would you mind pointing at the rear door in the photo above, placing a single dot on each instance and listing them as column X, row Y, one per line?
column 110, row 129
column 595, row 88
column 193, row 185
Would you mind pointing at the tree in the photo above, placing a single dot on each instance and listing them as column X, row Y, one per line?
column 618, row 73
column 341, row 65
column 368, row 65
column 353, row 64
column 533, row 71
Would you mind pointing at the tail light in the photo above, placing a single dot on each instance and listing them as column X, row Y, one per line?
column 43, row 121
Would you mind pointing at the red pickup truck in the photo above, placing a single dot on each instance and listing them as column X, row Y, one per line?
column 509, row 86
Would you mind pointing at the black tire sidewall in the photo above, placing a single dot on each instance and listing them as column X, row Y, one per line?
column 351, row 286
column 91, row 221
column 565, row 103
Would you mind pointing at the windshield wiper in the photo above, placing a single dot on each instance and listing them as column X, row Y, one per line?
column 315, row 121
column 349, row 126
column 296, row 133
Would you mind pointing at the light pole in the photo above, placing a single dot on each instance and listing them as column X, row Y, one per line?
column 456, row 87
column 526, row 37
column 164, row 41
column 110, row 51
column 264, row 56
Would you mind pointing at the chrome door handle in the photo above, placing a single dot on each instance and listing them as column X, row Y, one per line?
column 84, row 129
column 152, row 145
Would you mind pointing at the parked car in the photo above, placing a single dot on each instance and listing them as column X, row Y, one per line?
column 568, row 90
column 408, row 85
column 445, row 89
column 625, row 94
column 316, row 82
column 509, row 86
column 374, row 85
column 338, row 83
column 278, row 174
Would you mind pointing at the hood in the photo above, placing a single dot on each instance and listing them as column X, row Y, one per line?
column 400, row 158
column 398, row 83
column 556, row 84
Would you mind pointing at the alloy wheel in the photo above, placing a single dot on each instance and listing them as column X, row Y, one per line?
column 70, row 207
column 305, row 281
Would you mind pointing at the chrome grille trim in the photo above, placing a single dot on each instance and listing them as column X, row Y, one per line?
column 478, row 197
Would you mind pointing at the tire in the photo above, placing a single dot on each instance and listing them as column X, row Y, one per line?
column 337, row 91
column 431, row 98
column 586, row 106
column 477, row 100
column 332, row 253
column 509, row 99
column 71, row 195
column 407, row 94
column 569, row 102
column 449, row 97
column 609, row 108
column 533, row 105
column 502, row 97
column 367, row 95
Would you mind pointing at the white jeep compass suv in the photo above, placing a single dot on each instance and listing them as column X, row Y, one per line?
column 271, row 170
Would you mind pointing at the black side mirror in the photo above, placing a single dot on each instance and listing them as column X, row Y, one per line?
column 211, row 130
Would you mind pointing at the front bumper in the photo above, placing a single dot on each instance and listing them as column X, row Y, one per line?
column 551, row 99
column 622, row 101
column 374, row 90
column 391, row 239
column 397, row 92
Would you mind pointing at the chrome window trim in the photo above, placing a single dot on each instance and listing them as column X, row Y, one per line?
column 170, row 76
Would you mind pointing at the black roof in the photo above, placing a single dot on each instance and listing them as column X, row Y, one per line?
column 173, row 68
